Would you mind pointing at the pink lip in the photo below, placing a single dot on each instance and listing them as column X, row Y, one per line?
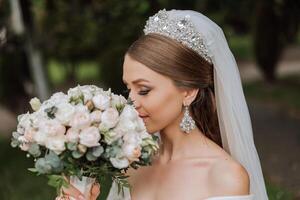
column 143, row 116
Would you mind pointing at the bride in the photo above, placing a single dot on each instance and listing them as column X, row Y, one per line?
column 185, row 84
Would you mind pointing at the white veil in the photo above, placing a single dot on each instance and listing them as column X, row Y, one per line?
column 233, row 114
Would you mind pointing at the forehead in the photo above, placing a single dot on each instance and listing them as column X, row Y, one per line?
column 133, row 70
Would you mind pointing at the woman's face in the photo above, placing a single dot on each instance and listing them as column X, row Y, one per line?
column 155, row 96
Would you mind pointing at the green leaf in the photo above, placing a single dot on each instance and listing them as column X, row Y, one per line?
column 57, row 181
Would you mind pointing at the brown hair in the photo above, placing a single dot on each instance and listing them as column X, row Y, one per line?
column 187, row 69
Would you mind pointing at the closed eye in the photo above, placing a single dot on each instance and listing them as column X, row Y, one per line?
column 142, row 92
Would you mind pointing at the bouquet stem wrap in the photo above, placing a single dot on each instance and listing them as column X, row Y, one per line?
column 84, row 185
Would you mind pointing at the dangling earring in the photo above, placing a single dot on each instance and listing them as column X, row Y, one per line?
column 187, row 123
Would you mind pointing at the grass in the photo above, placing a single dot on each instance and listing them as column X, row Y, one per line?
column 285, row 93
column 18, row 183
column 277, row 193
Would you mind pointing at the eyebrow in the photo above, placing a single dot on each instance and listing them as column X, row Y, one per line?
column 137, row 80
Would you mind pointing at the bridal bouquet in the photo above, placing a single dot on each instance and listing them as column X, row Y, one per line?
column 87, row 135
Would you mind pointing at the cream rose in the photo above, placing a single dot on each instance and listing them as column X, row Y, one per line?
column 35, row 103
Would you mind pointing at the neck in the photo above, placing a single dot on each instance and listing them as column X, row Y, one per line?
column 178, row 145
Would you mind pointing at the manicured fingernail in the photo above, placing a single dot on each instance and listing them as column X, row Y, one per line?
column 80, row 197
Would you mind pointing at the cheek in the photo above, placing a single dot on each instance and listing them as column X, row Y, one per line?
column 163, row 109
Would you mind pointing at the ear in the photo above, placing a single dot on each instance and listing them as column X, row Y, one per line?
column 189, row 96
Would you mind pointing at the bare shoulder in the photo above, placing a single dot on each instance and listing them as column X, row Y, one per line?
column 228, row 177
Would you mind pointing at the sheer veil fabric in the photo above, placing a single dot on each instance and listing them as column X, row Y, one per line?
column 232, row 110
column 233, row 114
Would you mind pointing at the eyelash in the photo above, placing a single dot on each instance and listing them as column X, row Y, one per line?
column 142, row 92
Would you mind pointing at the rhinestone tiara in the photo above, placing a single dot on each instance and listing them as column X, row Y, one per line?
column 180, row 29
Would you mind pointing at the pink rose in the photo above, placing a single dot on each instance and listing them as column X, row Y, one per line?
column 96, row 116
column 72, row 135
column 80, row 120
column 90, row 137
column 24, row 146
column 110, row 118
column 132, row 152
column 29, row 134
column 52, row 127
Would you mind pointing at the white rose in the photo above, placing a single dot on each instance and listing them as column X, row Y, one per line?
column 72, row 135
column 112, row 135
column 119, row 163
column 96, row 116
column 87, row 91
column 35, row 103
column 132, row 138
column 24, row 122
column 131, row 152
column 127, row 125
column 59, row 97
column 75, row 92
column 110, row 117
column 80, row 120
column 40, row 138
column 140, row 125
column 52, row 127
column 117, row 100
column 129, row 113
column 22, row 139
column 101, row 101
column 90, row 137
column 56, row 144
column 65, row 112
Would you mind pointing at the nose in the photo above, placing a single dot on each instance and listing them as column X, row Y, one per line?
column 133, row 101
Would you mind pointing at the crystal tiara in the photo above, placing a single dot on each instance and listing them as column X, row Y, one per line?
column 179, row 29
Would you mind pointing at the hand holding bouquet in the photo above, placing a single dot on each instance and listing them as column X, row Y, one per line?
column 87, row 134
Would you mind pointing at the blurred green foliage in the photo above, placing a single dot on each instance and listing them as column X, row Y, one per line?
column 74, row 33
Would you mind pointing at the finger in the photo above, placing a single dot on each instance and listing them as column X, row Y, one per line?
column 72, row 191
column 95, row 191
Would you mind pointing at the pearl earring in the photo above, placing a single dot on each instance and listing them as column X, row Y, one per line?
column 187, row 123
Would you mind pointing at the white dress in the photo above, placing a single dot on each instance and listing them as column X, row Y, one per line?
column 113, row 195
